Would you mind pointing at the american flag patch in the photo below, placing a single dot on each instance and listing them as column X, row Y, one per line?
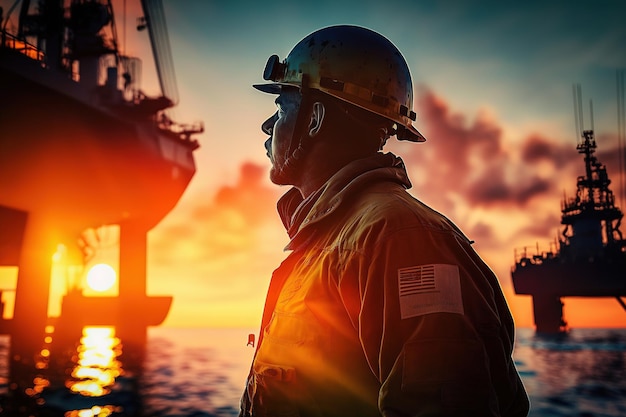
column 417, row 280
column 426, row 289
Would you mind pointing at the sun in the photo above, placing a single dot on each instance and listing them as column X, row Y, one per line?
column 101, row 277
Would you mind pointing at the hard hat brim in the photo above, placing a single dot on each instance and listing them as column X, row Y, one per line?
column 412, row 135
column 273, row 88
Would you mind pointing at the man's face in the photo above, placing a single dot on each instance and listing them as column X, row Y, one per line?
column 280, row 126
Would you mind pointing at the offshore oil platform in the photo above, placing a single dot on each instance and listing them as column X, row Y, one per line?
column 590, row 257
column 82, row 146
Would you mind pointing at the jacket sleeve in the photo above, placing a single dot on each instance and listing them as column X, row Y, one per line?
column 434, row 327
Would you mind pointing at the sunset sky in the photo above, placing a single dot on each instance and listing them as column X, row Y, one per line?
column 493, row 94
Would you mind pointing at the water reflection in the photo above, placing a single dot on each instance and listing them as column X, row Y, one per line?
column 91, row 386
column 79, row 375
column 97, row 365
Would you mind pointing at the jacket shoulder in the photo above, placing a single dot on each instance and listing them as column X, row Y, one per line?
column 392, row 208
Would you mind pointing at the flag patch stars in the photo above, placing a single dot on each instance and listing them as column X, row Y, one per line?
column 426, row 289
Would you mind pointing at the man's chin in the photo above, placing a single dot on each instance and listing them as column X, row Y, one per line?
column 281, row 176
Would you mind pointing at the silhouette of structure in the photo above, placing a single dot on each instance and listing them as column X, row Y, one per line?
column 590, row 260
column 81, row 146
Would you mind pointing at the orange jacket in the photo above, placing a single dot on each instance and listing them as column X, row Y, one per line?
column 382, row 308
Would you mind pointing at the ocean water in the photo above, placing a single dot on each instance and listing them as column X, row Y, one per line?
column 581, row 374
column 201, row 373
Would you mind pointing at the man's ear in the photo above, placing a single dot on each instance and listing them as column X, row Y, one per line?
column 318, row 111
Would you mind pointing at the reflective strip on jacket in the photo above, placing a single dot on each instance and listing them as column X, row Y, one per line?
column 382, row 308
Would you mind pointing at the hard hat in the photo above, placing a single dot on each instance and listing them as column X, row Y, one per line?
column 354, row 64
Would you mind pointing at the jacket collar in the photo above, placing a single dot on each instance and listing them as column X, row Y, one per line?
column 298, row 214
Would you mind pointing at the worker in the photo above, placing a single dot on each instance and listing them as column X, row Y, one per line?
column 382, row 307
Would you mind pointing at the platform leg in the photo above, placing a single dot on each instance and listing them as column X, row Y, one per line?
column 31, row 302
column 132, row 286
column 548, row 313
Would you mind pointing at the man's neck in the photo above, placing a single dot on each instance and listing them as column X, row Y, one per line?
column 320, row 164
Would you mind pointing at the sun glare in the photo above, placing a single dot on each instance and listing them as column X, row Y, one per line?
column 101, row 277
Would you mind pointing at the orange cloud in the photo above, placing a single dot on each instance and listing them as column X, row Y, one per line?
column 250, row 196
column 469, row 159
column 220, row 252
column 537, row 148
column 224, row 225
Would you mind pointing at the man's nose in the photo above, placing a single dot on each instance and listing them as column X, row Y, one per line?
column 268, row 126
